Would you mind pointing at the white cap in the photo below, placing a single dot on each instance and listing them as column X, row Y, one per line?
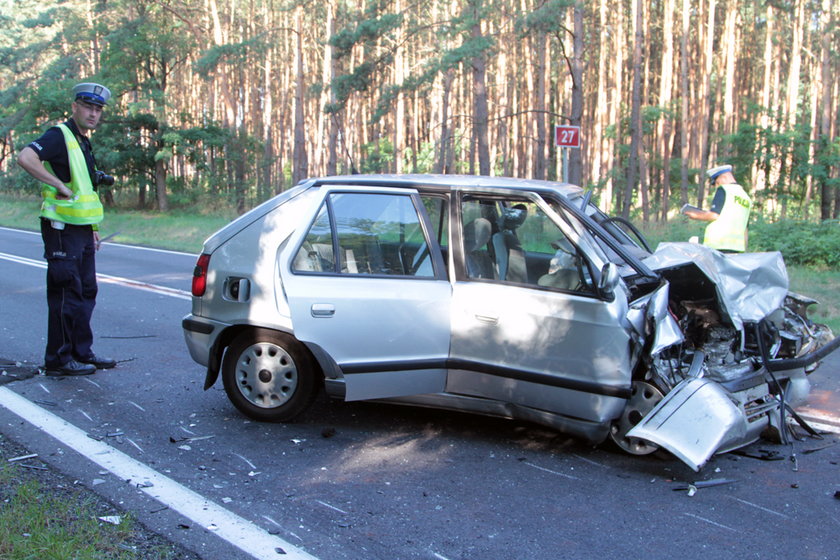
column 712, row 174
column 92, row 93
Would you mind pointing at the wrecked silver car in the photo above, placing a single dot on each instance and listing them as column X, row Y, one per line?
column 512, row 298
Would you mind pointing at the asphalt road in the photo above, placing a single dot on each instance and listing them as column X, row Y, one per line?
column 372, row 481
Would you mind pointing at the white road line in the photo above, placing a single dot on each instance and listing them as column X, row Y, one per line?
column 239, row 532
column 760, row 507
column 137, row 247
column 108, row 279
column 552, row 472
column 710, row 522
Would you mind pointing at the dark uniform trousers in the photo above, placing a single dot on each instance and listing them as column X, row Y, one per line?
column 71, row 292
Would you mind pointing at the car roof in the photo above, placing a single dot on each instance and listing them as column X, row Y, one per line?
column 413, row 181
column 447, row 181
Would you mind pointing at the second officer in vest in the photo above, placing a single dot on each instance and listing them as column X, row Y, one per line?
column 62, row 160
column 729, row 214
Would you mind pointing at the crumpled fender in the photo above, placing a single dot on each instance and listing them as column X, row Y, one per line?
column 695, row 420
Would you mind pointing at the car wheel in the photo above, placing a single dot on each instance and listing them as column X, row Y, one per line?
column 269, row 376
column 643, row 398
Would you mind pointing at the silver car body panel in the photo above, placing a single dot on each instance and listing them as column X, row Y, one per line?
column 695, row 420
column 749, row 286
column 577, row 346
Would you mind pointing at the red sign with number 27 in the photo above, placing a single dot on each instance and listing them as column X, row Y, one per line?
column 567, row 136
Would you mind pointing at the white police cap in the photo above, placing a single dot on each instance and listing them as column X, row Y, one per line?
column 92, row 93
column 713, row 173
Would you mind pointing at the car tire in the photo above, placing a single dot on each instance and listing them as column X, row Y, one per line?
column 269, row 376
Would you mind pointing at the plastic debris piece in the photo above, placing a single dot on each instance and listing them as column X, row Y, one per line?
column 227, row 500
column 97, row 481
column 795, row 462
column 705, row 483
column 185, row 447
column 112, row 519
column 22, row 458
column 692, row 490
column 279, row 550
column 815, row 449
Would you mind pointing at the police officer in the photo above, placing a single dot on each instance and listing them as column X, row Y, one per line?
column 729, row 214
column 63, row 161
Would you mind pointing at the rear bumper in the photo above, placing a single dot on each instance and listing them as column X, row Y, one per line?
column 200, row 334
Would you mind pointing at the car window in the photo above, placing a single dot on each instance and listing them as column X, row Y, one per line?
column 373, row 234
column 509, row 240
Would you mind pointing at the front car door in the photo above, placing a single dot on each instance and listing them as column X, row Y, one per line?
column 368, row 291
column 528, row 327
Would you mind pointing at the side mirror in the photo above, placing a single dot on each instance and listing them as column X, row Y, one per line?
column 609, row 281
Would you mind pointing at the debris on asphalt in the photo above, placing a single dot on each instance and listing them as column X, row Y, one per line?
column 815, row 449
column 764, row 455
column 795, row 462
column 692, row 487
column 22, row 458
column 112, row 519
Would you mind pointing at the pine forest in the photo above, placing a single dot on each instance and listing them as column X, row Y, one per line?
column 224, row 103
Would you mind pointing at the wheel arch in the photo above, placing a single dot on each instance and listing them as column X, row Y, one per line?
column 223, row 341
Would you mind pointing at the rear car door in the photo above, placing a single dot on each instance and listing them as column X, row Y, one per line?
column 367, row 286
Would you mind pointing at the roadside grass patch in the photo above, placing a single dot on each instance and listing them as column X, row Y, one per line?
column 45, row 516
column 37, row 522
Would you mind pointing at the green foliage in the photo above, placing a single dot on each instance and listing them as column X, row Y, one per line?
column 377, row 156
column 547, row 18
column 804, row 243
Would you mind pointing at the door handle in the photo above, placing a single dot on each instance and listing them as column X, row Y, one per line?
column 323, row 310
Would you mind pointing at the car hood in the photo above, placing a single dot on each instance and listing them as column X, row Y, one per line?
column 749, row 286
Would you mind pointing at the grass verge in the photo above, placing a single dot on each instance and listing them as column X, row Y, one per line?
column 178, row 231
column 45, row 515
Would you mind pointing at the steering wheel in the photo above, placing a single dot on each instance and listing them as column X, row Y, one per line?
column 633, row 229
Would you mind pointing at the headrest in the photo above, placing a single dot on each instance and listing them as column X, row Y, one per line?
column 476, row 234
column 513, row 217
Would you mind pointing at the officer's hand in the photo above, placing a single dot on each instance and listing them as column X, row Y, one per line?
column 63, row 193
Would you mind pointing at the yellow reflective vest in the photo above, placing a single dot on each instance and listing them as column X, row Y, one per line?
column 84, row 208
column 728, row 232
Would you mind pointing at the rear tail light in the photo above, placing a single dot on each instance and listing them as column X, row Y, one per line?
column 199, row 281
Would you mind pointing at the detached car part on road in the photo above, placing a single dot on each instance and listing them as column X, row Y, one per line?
column 511, row 298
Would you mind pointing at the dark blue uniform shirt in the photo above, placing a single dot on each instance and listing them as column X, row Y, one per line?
column 51, row 147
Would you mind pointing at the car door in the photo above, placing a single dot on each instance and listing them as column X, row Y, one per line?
column 367, row 286
column 529, row 328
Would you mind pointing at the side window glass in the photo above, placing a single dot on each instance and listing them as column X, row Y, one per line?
column 439, row 217
column 377, row 234
column 515, row 241
column 316, row 252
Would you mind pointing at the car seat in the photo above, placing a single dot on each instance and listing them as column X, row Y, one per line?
column 510, row 257
column 477, row 234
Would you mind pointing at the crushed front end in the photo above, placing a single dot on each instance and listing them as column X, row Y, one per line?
column 727, row 354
